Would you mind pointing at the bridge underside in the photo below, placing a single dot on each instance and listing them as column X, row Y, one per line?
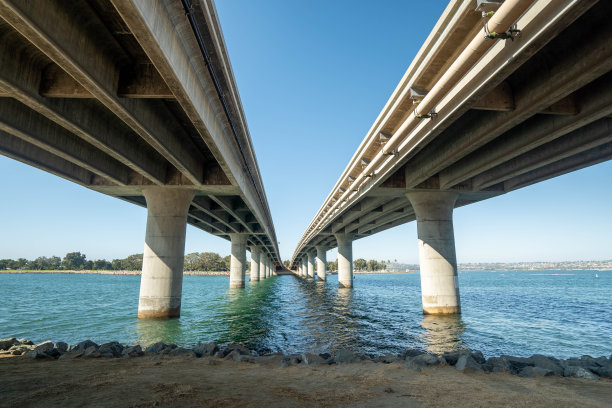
column 547, row 113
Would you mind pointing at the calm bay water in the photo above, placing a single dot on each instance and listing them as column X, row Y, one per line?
column 559, row 313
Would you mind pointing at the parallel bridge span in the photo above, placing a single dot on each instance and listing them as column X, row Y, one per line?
column 136, row 99
column 501, row 95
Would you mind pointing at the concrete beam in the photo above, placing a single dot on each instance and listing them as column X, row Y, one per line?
column 28, row 125
column 500, row 98
column 28, row 153
column 589, row 158
column 20, row 76
column 135, row 81
column 578, row 141
column 595, row 101
column 74, row 46
column 586, row 62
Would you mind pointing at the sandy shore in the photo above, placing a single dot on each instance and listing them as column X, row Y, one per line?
column 164, row 381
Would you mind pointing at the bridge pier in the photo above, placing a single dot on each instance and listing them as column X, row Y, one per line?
column 439, row 281
column 238, row 260
column 161, row 282
column 262, row 265
column 322, row 263
column 311, row 264
column 255, row 253
column 302, row 267
column 345, row 260
column 267, row 268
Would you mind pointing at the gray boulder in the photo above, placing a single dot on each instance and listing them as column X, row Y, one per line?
column 44, row 347
column 72, row 354
column 182, row 352
column 311, row 358
column 467, row 363
column 132, row 351
column 159, row 347
column 6, row 344
column 61, row 347
column 530, row 371
column 83, row 345
column 345, row 356
column 410, row 353
column 580, row 372
column 276, row 359
column 110, row 350
column 547, row 363
column 496, row 365
column 24, row 342
column 91, row 352
column 451, row 357
column 422, row 361
column 206, row 349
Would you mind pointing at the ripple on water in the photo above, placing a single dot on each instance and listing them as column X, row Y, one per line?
column 515, row 313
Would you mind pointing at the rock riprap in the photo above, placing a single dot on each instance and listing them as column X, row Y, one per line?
column 414, row 359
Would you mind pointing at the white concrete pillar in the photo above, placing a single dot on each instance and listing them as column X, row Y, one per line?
column 262, row 266
column 255, row 251
column 345, row 260
column 161, row 282
column 238, row 260
column 310, row 260
column 439, row 281
column 322, row 262
column 304, row 268
column 267, row 268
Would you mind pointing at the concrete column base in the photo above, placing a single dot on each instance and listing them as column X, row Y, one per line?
column 345, row 260
column 161, row 282
column 322, row 263
column 262, row 266
column 439, row 280
column 310, row 262
column 238, row 260
column 255, row 252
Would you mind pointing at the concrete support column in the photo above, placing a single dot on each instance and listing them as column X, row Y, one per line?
column 322, row 262
column 161, row 282
column 311, row 264
column 267, row 268
column 255, row 252
column 304, row 268
column 238, row 260
column 439, row 281
column 345, row 260
column 262, row 266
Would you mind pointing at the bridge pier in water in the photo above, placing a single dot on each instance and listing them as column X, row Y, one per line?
column 161, row 282
column 439, row 281
column 311, row 264
column 255, row 252
column 345, row 260
column 262, row 266
column 322, row 263
column 238, row 260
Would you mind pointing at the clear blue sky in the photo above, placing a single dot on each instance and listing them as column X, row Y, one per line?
column 313, row 76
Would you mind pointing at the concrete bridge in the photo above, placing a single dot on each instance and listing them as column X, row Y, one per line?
column 501, row 95
column 136, row 99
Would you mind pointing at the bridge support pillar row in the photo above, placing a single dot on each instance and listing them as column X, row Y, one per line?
column 255, row 252
column 238, row 260
column 161, row 282
column 262, row 266
column 345, row 260
column 439, row 282
column 311, row 264
column 322, row 263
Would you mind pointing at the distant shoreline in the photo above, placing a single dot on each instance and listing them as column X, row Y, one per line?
column 226, row 273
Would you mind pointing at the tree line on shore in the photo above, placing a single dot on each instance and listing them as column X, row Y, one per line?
column 75, row 261
column 195, row 261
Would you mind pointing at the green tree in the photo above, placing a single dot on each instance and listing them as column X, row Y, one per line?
column 132, row 263
column 101, row 265
column 332, row 266
column 191, row 261
column 73, row 261
column 116, row 264
column 360, row 264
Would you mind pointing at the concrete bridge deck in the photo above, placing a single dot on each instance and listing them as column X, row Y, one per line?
column 136, row 99
column 480, row 112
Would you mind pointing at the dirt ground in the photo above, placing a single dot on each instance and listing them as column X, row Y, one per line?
column 208, row 382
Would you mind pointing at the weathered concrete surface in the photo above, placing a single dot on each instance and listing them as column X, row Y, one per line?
column 345, row 260
column 310, row 262
column 238, row 260
column 255, row 253
column 162, row 268
column 322, row 263
column 439, row 281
